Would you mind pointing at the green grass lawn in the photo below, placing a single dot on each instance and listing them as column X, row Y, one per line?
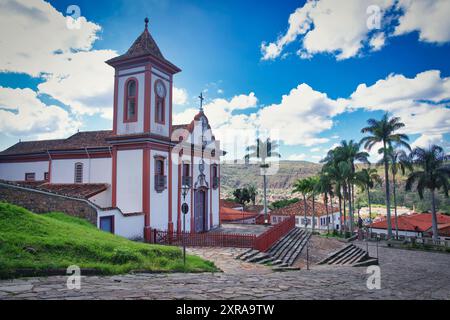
column 55, row 241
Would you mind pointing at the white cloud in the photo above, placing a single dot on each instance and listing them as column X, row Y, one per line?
column 417, row 101
column 327, row 26
column 429, row 17
column 426, row 140
column 341, row 27
column 315, row 149
column 301, row 116
column 36, row 41
column 297, row 157
column 179, row 96
column 22, row 114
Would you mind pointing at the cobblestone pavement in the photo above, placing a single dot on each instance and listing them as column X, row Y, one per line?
column 404, row 275
column 224, row 259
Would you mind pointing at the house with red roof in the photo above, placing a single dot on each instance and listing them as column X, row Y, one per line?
column 415, row 225
column 233, row 212
column 139, row 167
column 323, row 218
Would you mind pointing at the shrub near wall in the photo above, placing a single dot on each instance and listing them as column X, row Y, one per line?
column 42, row 203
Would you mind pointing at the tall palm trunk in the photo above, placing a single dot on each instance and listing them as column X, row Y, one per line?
column 395, row 205
column 326, row 209
column 313, row 213
column 345, row 212
column 370, row 211
column 340, row 213
column 306, row 220
column 265, row 199
column 350, row 208
column 388, row 200
column 332, row 213
column 434, row 217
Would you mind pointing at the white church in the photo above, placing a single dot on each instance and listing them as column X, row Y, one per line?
column 143, row 162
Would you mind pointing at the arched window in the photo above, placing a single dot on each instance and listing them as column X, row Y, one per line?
column 78, row 172
column 131, row 94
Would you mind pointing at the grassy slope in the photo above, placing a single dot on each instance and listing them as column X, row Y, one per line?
column 55, row 240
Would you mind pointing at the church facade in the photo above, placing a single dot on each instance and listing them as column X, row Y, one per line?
column 143, row 162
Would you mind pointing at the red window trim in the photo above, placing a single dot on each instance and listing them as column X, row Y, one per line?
column 157, row 99
column 160, row 158
column 125, row 101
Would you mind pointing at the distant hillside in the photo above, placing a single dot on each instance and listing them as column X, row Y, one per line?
column 280, row 184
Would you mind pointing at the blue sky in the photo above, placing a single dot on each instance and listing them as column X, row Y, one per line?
column 223, row 48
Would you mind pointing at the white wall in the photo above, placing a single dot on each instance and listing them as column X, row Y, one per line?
column 15, row 171
column 400, row 232
column 96, row 170
column 131, row 127
column 159, row 201
column 103, row 199
column 333, row 217
column 155, row 127
column 129, row 180
column 175, row 189
column 129, row 227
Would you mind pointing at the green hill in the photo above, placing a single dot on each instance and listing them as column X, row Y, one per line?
column 52, row 241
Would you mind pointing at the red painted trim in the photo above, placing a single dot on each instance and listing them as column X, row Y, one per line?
column 153, row 146
column 116, row 94
column 179, row 197
column 163, row 121
column 170, row 105
column 165, row 66
column 210, row 195
column 147, row 97
column 114, row 177
column 192, row 194
column 146, row 186
column 218, row 195
column 170, row 226
column 126, row 98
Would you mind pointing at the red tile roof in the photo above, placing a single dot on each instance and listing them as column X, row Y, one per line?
column 229, row 204
column 76, row 190
column 298, row 208
column 80, row 140
column 228, row 214
column 418, row 222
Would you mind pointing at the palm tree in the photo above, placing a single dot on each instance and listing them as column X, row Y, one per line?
column 325, row 188
column 253, row 192
column 304, row 187
column 263, row 150
column 434, row 175
column 367, row 179
column 314, row 181
column 350, row 152
column 399, row 161
column 383, row 131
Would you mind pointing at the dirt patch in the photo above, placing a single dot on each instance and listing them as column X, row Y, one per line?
column 319, row 248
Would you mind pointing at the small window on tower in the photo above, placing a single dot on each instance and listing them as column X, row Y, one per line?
column 130, row 113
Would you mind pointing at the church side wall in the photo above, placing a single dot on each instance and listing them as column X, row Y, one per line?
column 130, row 227
column 15, row 171
column 96, row 170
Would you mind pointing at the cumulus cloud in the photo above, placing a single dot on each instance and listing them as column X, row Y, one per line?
column 428, row 17
column 301, row 115
column 421, row 102
column 23, row 114
column 342, row 29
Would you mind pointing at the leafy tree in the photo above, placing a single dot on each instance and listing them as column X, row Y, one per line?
column 253, row 192
column 384, row 131
column 434, row 174
column 304, row 187
column 367, row 179
column 242, row 196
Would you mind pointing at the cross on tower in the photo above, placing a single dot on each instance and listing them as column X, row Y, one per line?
column 201, row 101
column 146, row 22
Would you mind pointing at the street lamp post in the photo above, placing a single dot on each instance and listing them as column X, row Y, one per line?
column 184, row 209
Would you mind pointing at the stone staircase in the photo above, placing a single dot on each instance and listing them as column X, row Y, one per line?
column 282, row 254
column 350, row 255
